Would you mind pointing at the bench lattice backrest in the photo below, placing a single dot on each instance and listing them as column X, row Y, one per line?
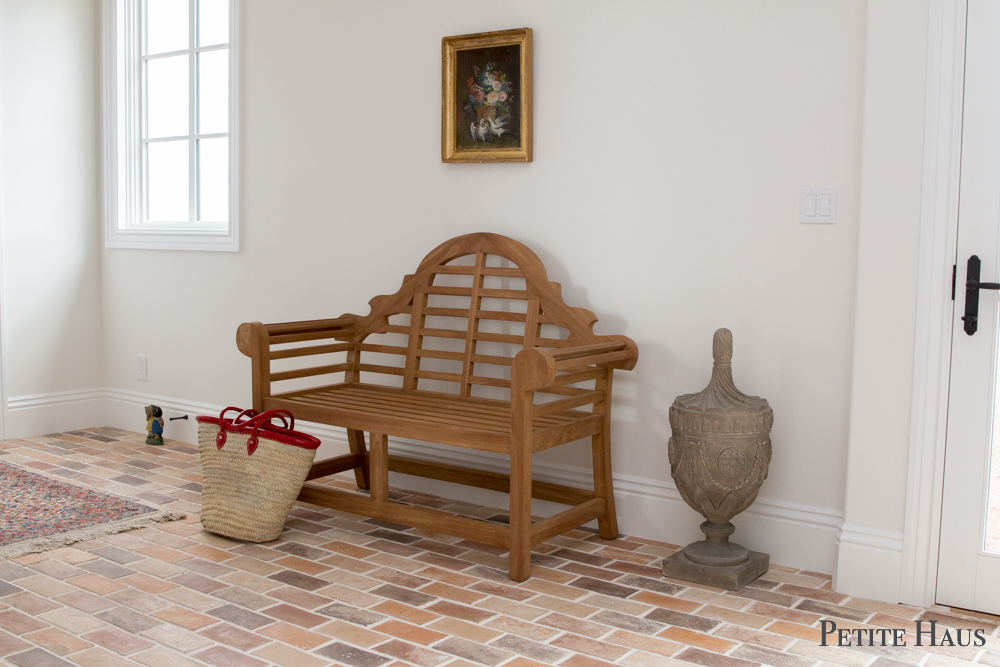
column 455, row 324
column 470, row 306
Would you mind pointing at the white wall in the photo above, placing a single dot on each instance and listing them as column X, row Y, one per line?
column 672, row 140
column 49, row 206
column 869, row 558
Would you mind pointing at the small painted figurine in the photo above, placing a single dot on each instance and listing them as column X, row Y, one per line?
column 154, row 425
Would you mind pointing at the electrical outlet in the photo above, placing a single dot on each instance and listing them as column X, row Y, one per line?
column 140, row 367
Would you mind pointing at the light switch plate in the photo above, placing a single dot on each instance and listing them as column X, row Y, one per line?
column 819, row 205
column 140, row 367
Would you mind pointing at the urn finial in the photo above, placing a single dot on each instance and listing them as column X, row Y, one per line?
column 722, row 346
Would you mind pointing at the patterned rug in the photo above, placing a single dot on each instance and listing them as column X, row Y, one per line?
column 38, row 513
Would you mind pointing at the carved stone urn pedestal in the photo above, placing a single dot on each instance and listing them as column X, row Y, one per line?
column 719, row 454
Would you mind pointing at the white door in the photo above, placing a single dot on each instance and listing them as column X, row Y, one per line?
column 969, row 565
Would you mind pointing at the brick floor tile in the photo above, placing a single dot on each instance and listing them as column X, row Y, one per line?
column 95, row 584
column 148, row 584
column 692, row 638
column 641, row 659
column 603, row 587
column 293, row 635
column 665, row 601
column 11, row 644
column 161, row 657
column 106, row 568
column 287, row 656
column 72, row 620
column 354, row 634
column 209, row 553
column 750, row 636
column 17, row 623
column 233, row 636
column 157, row 568
column 707, row 659
column 189, row 598
column 57, row 641
column 30, row 603
column 220, row 656
column 71, row 555
column 501, row 590
column 241, row 617
column 770, row 657
column 783, row 613
column 185, row 618
column 44, row 585
column 56, row 569
column 470, row 631
column 473, row 651
column 553, row 589
column 128, row 619
column 352, row 614
column 301, row 565
column 117, row 641
column 521, row 628
column 528, row 648
column 460, row 611
column 416, row 655
column 8, row 589
column 297, row 579
column 352, row 656
column 117, row 555
column 177, row 638
column 575, row 625
column 36, row 657
column 409, row 632
column 165, row 554
column 138, row 600
column 404, row 611
column 197, row 582
column 795, row 630
column 299, row 597
column 294, row 615
column 403, row 595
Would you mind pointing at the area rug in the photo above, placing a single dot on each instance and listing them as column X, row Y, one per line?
column 38, row 513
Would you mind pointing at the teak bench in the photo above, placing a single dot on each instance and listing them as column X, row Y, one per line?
column 435, row 362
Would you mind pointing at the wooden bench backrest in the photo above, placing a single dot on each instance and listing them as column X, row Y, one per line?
column 457, row 322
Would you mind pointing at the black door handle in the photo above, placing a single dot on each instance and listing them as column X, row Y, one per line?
column 972, row 287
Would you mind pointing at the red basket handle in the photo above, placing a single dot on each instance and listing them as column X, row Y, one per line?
column 254, row 419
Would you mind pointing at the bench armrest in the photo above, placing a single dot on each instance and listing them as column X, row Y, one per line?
column 340, row 328
column 536, row 368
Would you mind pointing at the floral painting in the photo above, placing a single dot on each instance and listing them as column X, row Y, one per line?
column 486, row 97
column 489, row 85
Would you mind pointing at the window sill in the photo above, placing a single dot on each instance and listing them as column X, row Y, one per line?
column 180, row 240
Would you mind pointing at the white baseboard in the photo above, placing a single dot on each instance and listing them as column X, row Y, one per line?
column 869, row 563
column 794, row 535
column 38, row 414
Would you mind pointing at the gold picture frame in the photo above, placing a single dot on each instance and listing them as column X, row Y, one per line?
column 486, row 97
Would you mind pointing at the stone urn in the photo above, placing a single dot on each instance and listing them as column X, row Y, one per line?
column 719, row 453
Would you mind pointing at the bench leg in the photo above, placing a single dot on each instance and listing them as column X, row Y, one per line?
column 520, row 511
column 603, row 487
column 356, row 440
column 379, row 473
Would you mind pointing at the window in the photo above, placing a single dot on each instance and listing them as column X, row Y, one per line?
column 171, row 124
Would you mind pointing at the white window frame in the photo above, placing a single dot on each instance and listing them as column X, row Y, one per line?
column 124, row 226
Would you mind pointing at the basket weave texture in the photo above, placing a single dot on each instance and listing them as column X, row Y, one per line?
column 248, row 496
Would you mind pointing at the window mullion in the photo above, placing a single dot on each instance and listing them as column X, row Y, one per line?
column 193, row 194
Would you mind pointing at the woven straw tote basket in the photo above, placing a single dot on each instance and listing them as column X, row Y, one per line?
column 253, row 471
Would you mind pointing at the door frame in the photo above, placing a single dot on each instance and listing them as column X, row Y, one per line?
column 935, row 306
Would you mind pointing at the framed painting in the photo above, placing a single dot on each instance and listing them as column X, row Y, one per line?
column 486, row 97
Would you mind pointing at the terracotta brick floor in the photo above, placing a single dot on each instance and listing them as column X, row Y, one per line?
column 341, row 589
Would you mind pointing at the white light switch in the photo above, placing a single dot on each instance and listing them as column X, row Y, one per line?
column 819, row 205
